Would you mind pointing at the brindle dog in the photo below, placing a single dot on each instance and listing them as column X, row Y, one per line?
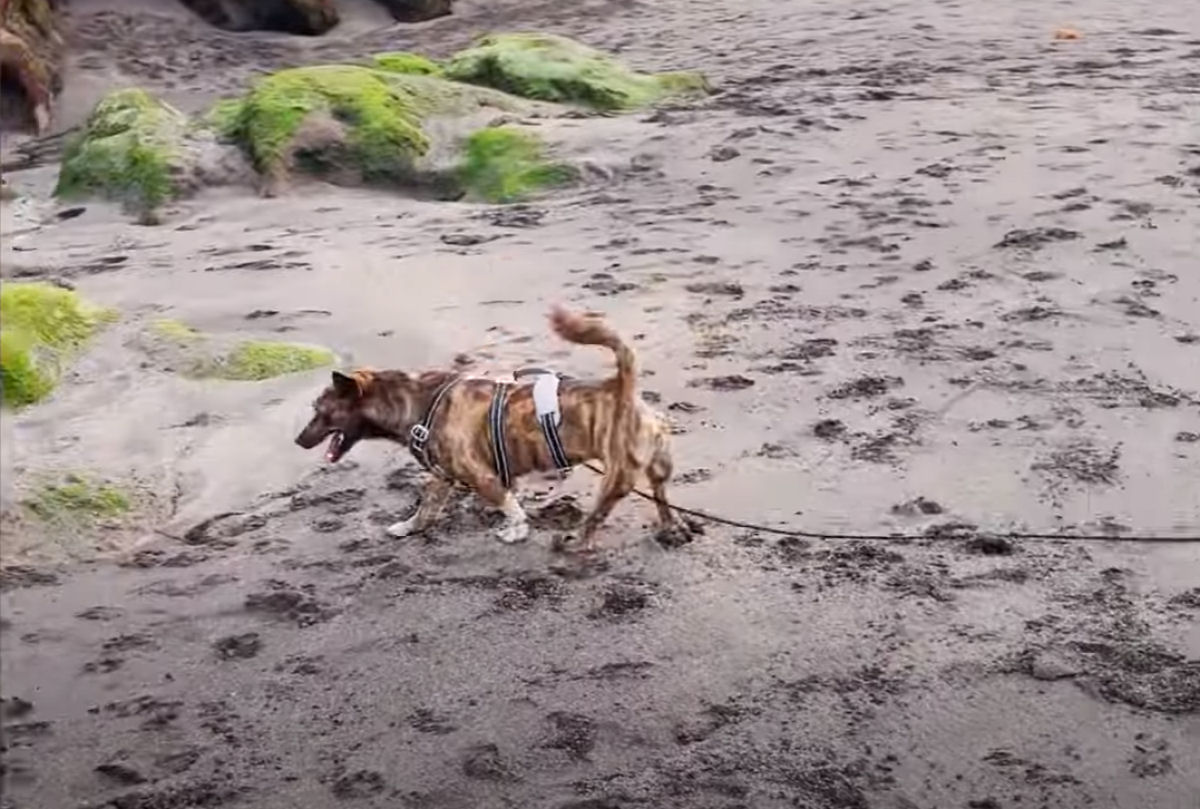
column 603, row 421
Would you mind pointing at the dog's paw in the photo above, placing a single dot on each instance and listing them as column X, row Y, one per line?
column 513, row 532
column 678, row 534
column 400, row 530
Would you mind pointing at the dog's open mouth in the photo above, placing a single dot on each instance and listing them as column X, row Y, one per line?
column 337, row 447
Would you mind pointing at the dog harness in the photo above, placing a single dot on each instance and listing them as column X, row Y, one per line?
column 418, row 435
column 549, row 416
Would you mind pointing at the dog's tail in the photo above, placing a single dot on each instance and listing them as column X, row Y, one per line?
column 590, row 329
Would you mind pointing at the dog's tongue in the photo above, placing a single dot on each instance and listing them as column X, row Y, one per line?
column 334, row 451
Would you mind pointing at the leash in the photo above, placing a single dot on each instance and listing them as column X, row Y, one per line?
column 901, row 537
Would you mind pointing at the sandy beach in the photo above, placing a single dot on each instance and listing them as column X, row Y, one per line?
column 914, row 267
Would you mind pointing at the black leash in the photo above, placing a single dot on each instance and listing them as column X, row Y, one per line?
column 899, row 537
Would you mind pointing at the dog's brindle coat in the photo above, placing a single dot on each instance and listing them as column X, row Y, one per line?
column 603, row 421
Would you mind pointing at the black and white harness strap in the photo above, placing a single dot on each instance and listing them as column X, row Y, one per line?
column 496, row 428
column 418, row 435
column 545, row 400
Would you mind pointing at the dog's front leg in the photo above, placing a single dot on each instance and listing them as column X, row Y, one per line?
column 516, row 523
column 433, row 497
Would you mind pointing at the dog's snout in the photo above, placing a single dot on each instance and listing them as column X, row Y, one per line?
column 306, row 439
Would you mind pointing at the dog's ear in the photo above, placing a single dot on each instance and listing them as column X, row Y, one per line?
column 344, row 385
column 364, row 378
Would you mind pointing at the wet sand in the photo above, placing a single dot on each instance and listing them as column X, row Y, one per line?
column 914, row 267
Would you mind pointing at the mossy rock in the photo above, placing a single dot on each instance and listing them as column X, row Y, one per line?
column 255, row 360
column 413, row 64
column 350, row 123
column 42, row 326
column 223, row 117
column 553, row 68
column 76, row 500
column 129, row 150
column 502, row 164
column 177, row 347
column 175, row 331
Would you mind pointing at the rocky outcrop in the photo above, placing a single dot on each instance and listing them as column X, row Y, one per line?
column 352, row 124
column 142, row 152
column 452, row 130
column 31, row 55
column 417, row 10
column 553, row 68
column 290, row 16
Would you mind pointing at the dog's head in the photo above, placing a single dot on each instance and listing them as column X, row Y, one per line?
column 341, row 414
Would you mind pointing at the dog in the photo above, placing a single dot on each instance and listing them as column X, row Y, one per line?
column 450, row 422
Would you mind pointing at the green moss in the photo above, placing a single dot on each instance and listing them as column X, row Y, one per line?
column 380, row 111
column 501, row 164
column 174, row 330
column 223, row 116
column 76, row 500
column 405, row 62
column 125, row 151
column 41, row 327
column 553, row 68
column 255, row 360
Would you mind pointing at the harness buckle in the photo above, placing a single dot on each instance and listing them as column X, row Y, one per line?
column 419, row 434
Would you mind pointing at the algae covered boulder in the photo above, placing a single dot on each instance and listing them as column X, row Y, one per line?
column 406, row 62
column 76, row 499
column 256, row 360
column 503, row 164
column 177, row 347
column 42, row 327
column 143, row 152
column 350, row 123
column 554, row 68
column 128, row 150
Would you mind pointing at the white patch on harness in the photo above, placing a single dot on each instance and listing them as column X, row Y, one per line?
column 545, row 397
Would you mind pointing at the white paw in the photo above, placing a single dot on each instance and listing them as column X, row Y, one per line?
column 403, row 528
column 513, row 532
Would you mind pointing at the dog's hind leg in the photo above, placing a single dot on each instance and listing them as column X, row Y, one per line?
column 658, row 472
column 617, row 483
column 433, row 497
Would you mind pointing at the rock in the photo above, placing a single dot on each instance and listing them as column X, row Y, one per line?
column 242, row 646
column 126, row 152
column 42, row 327
column 31, row 53
column 351, row 124
column 503, row 164
column 1050, row 665
column 143, row 152
column 417, row 10
column 309, row 17
column 554, row 68
column 405, row 62
column 121, row 773
column 723, row 154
